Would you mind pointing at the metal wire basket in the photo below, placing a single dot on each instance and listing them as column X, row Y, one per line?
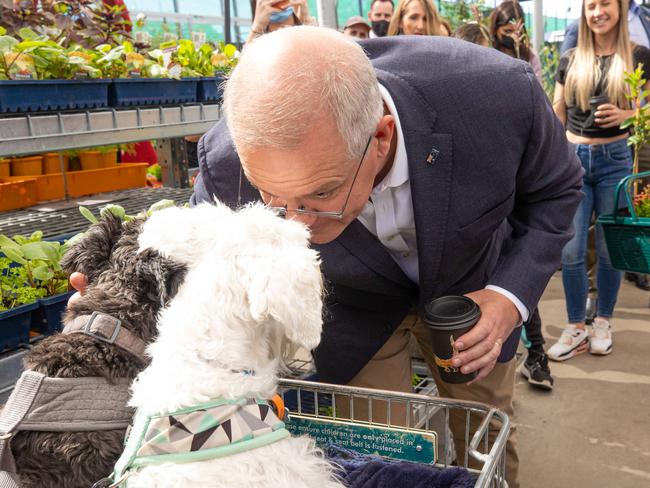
column 321, row 402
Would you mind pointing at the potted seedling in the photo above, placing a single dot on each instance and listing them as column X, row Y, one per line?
column 99, row 157
column 42, row 74
column 5, row 168
column 52, row 163
column 18, row 302
column 221, row 61
column 37, row 263
column 159, row 79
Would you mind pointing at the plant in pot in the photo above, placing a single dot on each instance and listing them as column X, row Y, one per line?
column 18, row 302
column 222, row 61
column 52, row 163
column 107, row 24
column 98, row 157
column 42, row 74
column 27, row 166
column 5, row 168
column 37, row 263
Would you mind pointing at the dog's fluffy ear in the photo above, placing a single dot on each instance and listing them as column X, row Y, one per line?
column 159, row 278
column 92, row 253
column 290, row 291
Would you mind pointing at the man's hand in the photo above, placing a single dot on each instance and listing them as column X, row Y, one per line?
column 78, row 282
column 481, row 346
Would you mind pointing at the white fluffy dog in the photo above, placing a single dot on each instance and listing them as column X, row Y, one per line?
column 253, row 287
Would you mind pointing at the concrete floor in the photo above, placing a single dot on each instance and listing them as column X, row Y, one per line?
column 593, row 429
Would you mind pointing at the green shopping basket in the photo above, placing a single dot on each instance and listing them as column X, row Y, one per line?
column 627, row 237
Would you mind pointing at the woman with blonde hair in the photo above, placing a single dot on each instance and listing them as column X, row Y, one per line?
column 590, row 100
column 416, row 17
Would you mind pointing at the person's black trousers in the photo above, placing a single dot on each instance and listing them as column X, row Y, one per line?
column 533, row 329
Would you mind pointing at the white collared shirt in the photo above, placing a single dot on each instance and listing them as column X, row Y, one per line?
column 389, row 216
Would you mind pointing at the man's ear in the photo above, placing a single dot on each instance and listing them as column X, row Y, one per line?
column 92, row 253
column 384, row 135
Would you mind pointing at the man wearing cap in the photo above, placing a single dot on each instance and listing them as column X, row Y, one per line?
column 356, row 27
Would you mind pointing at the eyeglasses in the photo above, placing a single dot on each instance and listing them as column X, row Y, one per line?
column 283, row 211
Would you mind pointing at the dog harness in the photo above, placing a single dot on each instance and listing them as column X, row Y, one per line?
column 44, row 404
column 40, row 403
column 211, row 430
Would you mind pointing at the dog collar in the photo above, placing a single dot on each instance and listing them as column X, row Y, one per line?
column 211, row 430
column 106, row 328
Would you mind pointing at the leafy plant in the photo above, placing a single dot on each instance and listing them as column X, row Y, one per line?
column 642, row 203
column 31, row 268
column 13, row 289
column 119, row 211
column 640, row 121
column 50, row 59
column 154, row 176
column 460, row 11
column 549, row 57
column 225, row 58
column 194, row 62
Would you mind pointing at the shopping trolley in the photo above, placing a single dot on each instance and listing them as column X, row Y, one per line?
column 313, row 410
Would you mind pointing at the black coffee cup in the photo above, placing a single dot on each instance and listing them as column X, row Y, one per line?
column 594, row 103
column 448, row 318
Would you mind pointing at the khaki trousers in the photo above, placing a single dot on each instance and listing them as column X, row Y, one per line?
column 390, row 369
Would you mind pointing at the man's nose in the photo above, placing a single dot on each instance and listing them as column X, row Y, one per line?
column 304, row 219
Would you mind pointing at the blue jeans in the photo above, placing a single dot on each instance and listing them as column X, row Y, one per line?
column 605, row 165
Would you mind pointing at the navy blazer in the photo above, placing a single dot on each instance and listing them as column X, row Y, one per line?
column 571, row 32
column 493, row 204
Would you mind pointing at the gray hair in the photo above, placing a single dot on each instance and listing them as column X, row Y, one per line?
column 289, row 81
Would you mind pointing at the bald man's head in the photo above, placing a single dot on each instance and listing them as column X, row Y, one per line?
column 290, row 81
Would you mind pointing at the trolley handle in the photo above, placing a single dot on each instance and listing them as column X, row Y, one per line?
column 625, row 184
column 478, row 435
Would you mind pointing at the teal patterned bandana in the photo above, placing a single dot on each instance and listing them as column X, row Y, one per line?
column 211, row 430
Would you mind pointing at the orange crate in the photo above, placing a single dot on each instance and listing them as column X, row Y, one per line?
column 87, row 182
column 17, row 193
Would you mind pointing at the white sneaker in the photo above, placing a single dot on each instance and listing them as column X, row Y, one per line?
column 601, row 337
column 572, row 342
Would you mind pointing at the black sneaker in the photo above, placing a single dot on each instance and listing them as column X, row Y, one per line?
column 535, row 369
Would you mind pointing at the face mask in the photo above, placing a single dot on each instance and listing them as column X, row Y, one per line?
column 507, row 42
column 279, row 17
column 380, row 27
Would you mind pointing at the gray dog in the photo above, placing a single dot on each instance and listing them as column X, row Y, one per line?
column 128, row 289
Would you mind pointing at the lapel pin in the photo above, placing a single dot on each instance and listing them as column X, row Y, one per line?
column 433, row 155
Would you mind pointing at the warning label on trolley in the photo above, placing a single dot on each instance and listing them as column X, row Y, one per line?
column 408, row 445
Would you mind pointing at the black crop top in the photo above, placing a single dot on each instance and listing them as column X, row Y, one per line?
column 582, row 123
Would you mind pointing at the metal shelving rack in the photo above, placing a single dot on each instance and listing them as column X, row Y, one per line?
column 39, row 133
